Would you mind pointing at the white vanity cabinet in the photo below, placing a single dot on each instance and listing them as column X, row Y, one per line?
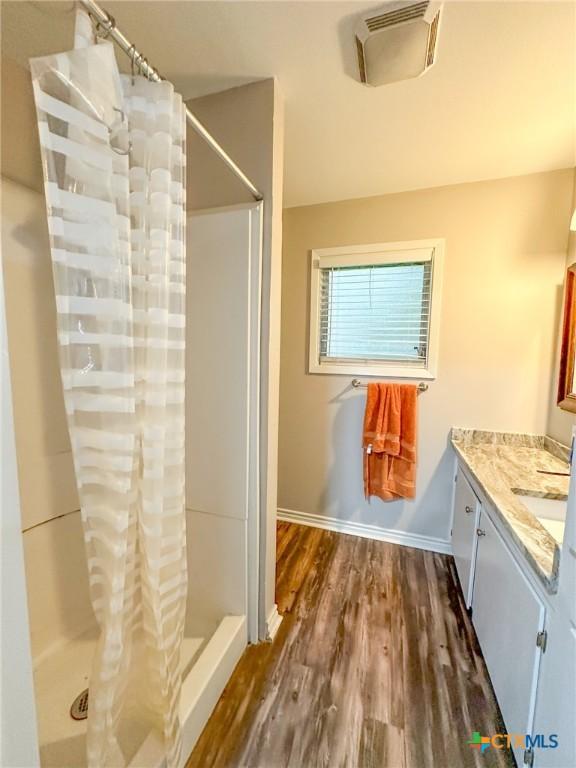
column 508, row 616
column 464, row 524
column 508, row 609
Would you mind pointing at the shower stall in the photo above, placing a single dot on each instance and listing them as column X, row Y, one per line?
column 223, row 425
column 222, row 383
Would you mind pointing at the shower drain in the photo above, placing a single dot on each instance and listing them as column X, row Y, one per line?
column 79, row 708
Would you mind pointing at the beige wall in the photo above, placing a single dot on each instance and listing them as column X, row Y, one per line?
column 560, row 422
column 241, row 120
column 505, row 255
column 20, row 148
column 248, row 122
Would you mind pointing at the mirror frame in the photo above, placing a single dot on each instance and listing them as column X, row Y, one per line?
column 566, row 397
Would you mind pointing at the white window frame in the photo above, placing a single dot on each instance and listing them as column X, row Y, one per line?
column 368, row 255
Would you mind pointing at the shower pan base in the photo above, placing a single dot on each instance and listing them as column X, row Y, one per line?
column 60, row 676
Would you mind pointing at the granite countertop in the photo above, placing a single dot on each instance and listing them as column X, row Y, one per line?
column 504, row 466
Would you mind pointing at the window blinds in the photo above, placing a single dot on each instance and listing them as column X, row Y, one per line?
column 378, row 312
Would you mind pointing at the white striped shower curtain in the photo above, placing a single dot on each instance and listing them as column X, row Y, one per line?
column 113, row 150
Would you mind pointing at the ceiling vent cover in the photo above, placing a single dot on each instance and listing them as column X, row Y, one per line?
column 398, row 41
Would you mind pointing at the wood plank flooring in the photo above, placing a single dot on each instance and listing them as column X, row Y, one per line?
column 375, row 665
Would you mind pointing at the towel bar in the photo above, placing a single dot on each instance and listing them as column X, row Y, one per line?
column 356, row 383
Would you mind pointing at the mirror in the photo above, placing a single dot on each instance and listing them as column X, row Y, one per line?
column 567, row 379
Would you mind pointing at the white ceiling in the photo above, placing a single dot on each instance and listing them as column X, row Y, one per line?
column 500, row 101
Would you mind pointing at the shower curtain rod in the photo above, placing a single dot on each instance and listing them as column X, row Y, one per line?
column 107, row 24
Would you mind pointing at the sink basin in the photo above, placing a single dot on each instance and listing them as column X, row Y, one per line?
column 551, row 509
column 550, row 512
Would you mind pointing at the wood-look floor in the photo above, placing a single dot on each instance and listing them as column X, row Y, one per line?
column 375, row 665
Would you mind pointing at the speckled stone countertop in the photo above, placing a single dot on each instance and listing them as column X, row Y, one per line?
column 504, row 466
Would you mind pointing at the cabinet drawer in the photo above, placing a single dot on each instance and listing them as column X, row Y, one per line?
column 465, row 522
column 507, row 615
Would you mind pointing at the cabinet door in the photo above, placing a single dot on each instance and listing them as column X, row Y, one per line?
column 507, row 615
column 465, row 522
column 556, row 698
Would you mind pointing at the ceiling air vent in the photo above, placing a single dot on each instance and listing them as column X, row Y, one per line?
column 398, row 42
column 405, row 13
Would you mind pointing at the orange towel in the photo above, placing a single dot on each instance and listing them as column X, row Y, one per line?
column 389, row 441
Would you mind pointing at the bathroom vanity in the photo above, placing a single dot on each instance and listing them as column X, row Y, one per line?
column 509, row 507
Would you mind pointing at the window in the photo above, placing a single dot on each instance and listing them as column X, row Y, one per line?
column 375, row 309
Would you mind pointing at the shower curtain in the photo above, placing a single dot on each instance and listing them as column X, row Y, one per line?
column 113, row 151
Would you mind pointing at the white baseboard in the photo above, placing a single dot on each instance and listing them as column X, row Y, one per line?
column 415, row 540
column 273, row 623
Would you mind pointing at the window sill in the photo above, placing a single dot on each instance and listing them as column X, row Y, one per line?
column 381, row 371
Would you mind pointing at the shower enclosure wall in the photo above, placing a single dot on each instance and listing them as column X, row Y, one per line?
column 222, row 427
